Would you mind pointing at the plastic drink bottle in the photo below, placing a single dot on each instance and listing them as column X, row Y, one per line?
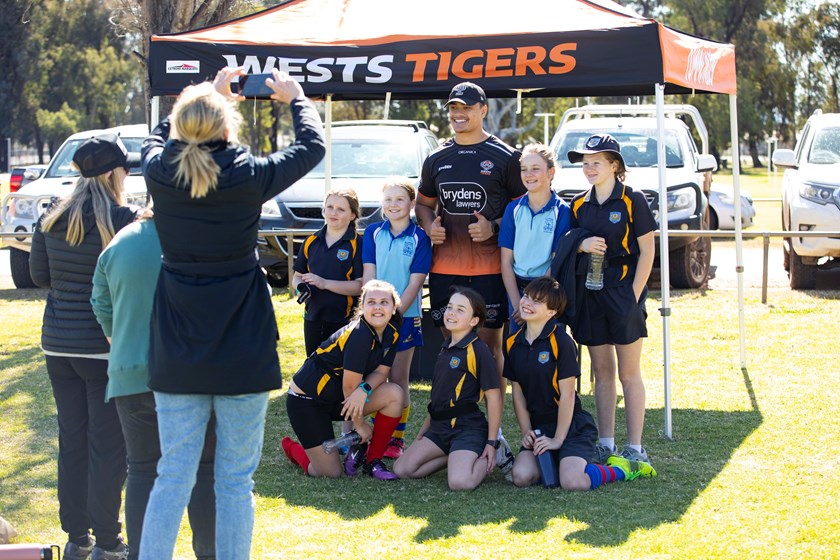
column 548, row 468
column 344, row 440
column 595, row 274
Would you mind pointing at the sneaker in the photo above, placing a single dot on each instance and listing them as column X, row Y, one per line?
column 505, row 458
column 378, row 470
column 72, row 551
column 119, row 552
column 631, row 469
column 395, row 448
column 355, row 458
column 633, row 455
column 602, row 453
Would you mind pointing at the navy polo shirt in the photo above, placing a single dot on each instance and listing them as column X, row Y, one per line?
column 621, row 220
column 341, row 261
column 533, row 236
column 538, row 368
column 397, row 258
column 356, row 348
column 463, row 373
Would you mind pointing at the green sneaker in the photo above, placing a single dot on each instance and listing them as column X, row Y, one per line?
column 631, row 469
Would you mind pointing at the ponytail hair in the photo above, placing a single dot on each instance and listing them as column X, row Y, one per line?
column 103, row 191
column 202, row 116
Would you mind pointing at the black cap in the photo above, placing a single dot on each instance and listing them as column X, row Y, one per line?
column 467, row 93
column 595, row 144
column 101, row 154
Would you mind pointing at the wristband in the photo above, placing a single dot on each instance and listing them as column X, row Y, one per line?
column 365, row 386
column 494, row 442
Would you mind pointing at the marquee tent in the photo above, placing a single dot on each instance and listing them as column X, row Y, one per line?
column 383, row 49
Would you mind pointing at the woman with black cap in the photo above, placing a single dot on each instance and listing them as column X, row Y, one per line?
column 91, row 450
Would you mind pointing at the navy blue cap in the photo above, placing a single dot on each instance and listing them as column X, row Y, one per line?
column 595, row 144
column 467, row 93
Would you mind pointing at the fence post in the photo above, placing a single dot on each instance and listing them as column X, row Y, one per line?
column 766, row 240
column 290, row 262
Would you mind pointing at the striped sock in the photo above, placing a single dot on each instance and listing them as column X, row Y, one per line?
column 602, row 474
column 399, row 432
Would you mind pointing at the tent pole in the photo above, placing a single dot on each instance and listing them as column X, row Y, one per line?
column 664, row 264
column 739, row 240
column 155, row 113
column 328, row 139
column 387, row 110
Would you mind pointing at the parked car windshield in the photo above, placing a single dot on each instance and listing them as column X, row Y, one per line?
column 826, row 146
column 371, row 158
column 62, row 162
column 638, row 147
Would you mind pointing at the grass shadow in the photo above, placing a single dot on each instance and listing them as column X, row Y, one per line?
column 24, row 294
column 704, row 441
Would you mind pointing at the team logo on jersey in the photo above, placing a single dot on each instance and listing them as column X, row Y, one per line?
column 615, row 217
column 454, row 362
column 462, row 198
column 486, row 167
column 542, row 357
column 436, row 314
column 343, row 254
column 548, row 224
column 408, row 248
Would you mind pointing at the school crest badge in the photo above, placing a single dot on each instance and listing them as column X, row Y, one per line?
column 615, row 217
column 542, row 357
column 342, row 254
column 454, row 362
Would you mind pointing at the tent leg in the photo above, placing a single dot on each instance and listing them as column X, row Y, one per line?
column 328, row 140
column 155, row 113
column 664, row 263
column 739, row 240
column 386, row 112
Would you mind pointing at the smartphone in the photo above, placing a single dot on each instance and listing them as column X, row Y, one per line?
column 253, row 86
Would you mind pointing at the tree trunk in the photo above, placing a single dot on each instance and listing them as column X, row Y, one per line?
column 754, row 154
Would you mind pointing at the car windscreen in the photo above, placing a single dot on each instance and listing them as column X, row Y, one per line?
column 826, row 146
column 62, row 162
column 638, row 147
column 371, row 158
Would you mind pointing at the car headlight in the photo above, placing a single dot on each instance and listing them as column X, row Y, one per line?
column 270, row 208
column 24, row 208
column 816, row 193
column 681, row 199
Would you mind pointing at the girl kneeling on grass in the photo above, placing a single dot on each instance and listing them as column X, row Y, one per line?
column 456, row 435
column 345, row 379
column 541, row 363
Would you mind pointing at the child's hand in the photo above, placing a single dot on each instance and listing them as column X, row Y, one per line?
column 490, row 456
column 437, row 233
column 314, row 280
column 594, row 244
column 354, row 405
column 364, row 430
column 545, row 443
column 528, row 439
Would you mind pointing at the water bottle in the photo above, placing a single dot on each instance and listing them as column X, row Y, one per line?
column 548, row 468
column 595, row 274
column 344, row 440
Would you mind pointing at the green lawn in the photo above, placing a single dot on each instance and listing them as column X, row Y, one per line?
column 751, row 470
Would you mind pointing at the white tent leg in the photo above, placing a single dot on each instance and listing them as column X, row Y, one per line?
column 386, row 112
column 328, row 139
column 739, row 240
column 155, row 113
column 664, row 263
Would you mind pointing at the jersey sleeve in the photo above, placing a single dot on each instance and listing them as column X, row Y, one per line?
column 643, row 220
column 301, row 261
column 369, row 245
column 427, row 188
column 488, row 378
column 513, row 183
column 507, row 232
column 356, row 350
column 422, row 261
column 357, row 259
column 567, row 365
column 508, row 372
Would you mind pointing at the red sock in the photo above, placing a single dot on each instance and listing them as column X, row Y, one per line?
column 383, row 427
column 296, row 454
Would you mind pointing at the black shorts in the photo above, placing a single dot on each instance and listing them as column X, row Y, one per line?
column 312, row 418
column 614, row 316
column 490, row 286
column 579, row 442
column 458, row 439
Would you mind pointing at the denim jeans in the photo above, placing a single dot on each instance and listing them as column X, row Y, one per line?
column 182, row 422
column 140, row 428
column 91, row 450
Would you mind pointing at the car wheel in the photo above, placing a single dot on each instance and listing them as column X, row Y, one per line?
column 713, row 219
column 690, row 264
column 19, row 263
column 277, row 276
column 802, row 276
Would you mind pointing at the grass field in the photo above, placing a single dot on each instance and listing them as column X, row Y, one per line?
column 750, row 472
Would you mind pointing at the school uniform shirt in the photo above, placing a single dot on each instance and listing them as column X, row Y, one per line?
column 482, row 178
column 354, row 347
column 533, row 236
column 539, row 367
column 462, row 374
column 213, row 324
column 341, row 261
column 397, row 258
column 621, row 220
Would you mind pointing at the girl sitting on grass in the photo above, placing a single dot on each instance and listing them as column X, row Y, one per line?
column 345, row 379
column 456, row 435
column 541, row 364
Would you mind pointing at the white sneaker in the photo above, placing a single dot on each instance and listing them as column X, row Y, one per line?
column 505, row 458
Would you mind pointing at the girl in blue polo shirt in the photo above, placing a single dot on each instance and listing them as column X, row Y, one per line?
column 399, row 252
column 329, row 267
column 531, row 227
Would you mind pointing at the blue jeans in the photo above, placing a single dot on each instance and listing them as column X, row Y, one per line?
column 142, row 443
column 182, row 421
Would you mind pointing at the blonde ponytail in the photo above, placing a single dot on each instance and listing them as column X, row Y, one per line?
column 103, row 191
